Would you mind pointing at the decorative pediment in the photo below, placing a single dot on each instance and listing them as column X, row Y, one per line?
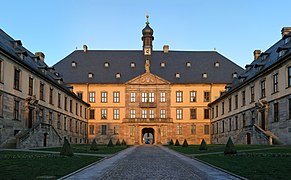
column 148, row 78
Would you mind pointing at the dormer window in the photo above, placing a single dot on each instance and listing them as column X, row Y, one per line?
column 90, row 75
column 74, row 64
column 281, row 53
column 177, row 75
column 204, row 75
column 163, row 64
column 57, row 74
column 234, row 75
column 188, row 64
column 118, row 76
column 132, row 64
column 286, row 40
column 216, row 64
column 106, row 64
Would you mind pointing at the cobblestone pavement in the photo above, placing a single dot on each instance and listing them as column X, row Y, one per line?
column 153, row 162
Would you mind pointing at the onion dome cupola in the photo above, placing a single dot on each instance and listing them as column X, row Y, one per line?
column 147, row 38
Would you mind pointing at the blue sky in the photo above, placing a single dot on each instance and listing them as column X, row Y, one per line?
column 234, row 28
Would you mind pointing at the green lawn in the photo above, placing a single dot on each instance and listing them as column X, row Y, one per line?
column 271, row 163
column 85, row 148
column 30, row 165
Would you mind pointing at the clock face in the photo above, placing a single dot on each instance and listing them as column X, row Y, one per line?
column 147, row 51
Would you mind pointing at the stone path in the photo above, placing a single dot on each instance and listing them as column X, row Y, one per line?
column 150, row 162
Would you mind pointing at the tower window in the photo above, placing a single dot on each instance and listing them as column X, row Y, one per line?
column 177, row 75
column 216, row 64
column 132, row 64
column 188, row 64
column 106, row 64
column 74, row 64
column 90, row 75
column 204, row 75
column 118, row 76
column 163, row 64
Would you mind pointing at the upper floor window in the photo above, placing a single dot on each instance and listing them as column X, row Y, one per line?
column 163, row 64
column 59, row 100
column 243, row 98
column 90, row 75
column 192, row 96
column 216, row 111
column 229, row 104
column 106, row 64
column 1, row 105
column 80, row 94
column 188, row 64
column 117, row 75
column 132, row 113
column 179, row 96
column 289, row 76
column 144, row 97
column 193, row 114
column 163, row 113
column 206, row 96
column 76, row 108
column 143, row 113
column 204, row 75
column 151, row 97
column 275, row 83
column 132, row 64
column 116, row 96
column 162, row 97
column 236, row 101
column 41, row 91
column 91, row 114
column 71, row 105
column 216, row 64
column 1, row 71
column 179, row 113
column 206, row 113
column 252, row 90
column 151, row 113
column 74, row 64
column 92, row 97
column 65, row 102
column 115, row 114
column 222, row 108
column 263, row 88
column 51, row 96
column 30, row 86
column 177, row 75
column 132, row 96
column 104, row 97
column 103, row 113
column 17, row 80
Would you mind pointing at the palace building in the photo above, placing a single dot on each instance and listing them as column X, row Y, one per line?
column 256, row 109
column 148, row 95
column 36, row 107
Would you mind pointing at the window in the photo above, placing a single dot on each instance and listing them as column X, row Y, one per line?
column 71, row 105
column 192, row 113
column 131, row 131
column 91, row 129
column 103, row 113
column 162, row 97
column 16, row 110
column 179, row 114
column 1, row 71
column 206, row 129
column 236, row 101
column 106, row 64
column 1, row 104
column 71, row 125
column 117, row 75
column 91, row 114
column 152, row 113
column 216, row 64
column 276, row 112
column 50, row 117
column 192, row 96
column 188, row 64
column 17, row 79
column 151, row 97
column 177, row 75
column 81, row 113
column 30, row 86
column 289, row 100
column 229, row 104
column 65, row 103
column 41, row 91
column 252, row 93
column 76, row 108
column 132, row 113
column 234, row 75
column 59, row 100
column 275, row 83
column 222, row 126
column 90, row 75
column 163, row 64
column 132, row 97
column 236, row 122
column 229, row 124
column 243, row 98
column 289, row 76
column 206, row 96
column 143, row 113
column 115, row 130
column 103, row 129
column 59, row 121
column 263, row 89
column 206, row 113
column 74, row 64
column 80, row 94
column 193, row 129
column 132, row 64
column 179, row 129
column 204, row 75
column 104, row 97
column 179, row 96
column 212, row 112
column 164, row 131
column 65, row 123
column 116, row 97
column 144, row 97
column 216, row 110
column 92, row 97
column 163, row 113
column 116, row 114
column 76, row 127
column 244, row 119
column 222, row 108
column 51, row 96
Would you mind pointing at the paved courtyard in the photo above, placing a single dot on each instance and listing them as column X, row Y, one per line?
column 150, row 162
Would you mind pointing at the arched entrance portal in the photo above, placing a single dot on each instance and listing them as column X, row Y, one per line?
column 148, row 135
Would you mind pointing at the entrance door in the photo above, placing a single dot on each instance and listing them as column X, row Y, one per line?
column 30, row 118
column 263, row 120
column 248, row 138
column 148, row 136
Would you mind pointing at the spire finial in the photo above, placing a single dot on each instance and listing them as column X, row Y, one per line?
column 147, row 16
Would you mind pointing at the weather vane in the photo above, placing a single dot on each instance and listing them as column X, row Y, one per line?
column 147, row 16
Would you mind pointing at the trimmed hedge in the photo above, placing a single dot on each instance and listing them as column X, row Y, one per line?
column 66, row 149
column 203, row 145
column 229, row 148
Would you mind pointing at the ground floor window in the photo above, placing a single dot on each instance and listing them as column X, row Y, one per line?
column 131, row 131
column 179, row 129
column 103, row 129
column 193, row 129
column 206, row 129
column 164, row 131
column 91, row 129
column 115, row 130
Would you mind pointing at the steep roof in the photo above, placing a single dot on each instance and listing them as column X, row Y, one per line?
column 92, row 61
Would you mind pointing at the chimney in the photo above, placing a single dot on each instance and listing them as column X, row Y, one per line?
column 257, row 54
column 285, row 31
column 40, row 55
column 85, row 48
column 166, row 49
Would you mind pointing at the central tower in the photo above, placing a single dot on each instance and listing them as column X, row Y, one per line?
column 147, row 38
